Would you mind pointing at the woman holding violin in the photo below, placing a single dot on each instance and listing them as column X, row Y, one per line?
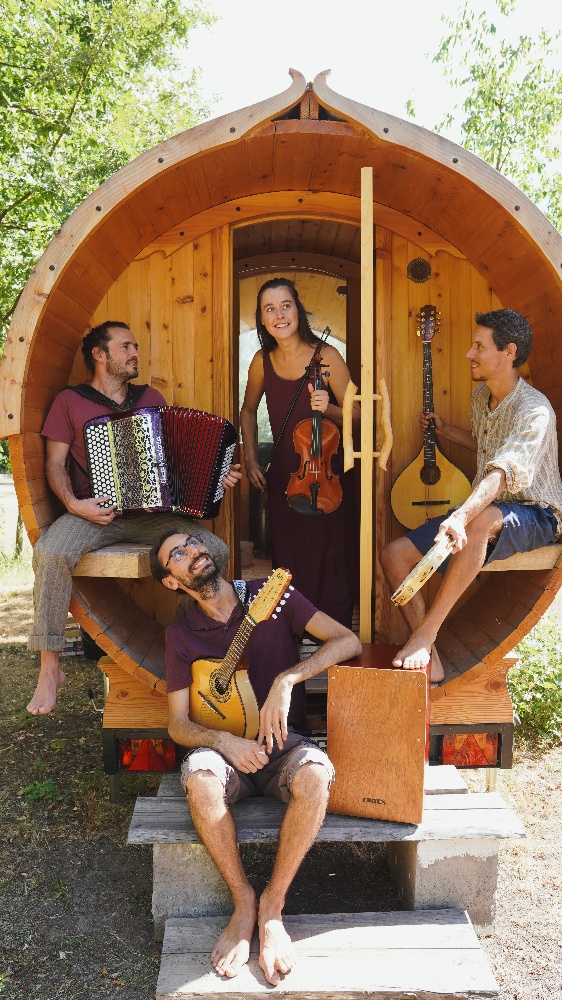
column 311, row 502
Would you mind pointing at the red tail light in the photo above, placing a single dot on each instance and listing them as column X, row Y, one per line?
column 471, row 750
column 147, row 755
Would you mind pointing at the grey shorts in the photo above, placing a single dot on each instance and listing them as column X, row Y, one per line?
column 275, row 779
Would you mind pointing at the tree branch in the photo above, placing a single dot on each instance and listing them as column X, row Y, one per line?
column 18, row 201
column 80, row 88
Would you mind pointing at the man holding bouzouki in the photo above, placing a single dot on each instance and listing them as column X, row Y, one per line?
column 244, row 721
column 516, row 499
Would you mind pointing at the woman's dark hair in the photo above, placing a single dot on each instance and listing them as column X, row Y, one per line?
column 305, row 333
column 508, row 327
column 99, row 336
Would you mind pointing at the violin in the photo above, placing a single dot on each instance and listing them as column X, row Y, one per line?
column 314, row 489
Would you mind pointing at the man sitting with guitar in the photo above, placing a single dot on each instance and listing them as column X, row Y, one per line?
column 516, row 499
column 246, row 728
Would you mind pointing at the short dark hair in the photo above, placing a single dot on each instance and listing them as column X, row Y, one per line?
column 159, row 571
column 99, row 336
column 508, row 327
column 305, row 333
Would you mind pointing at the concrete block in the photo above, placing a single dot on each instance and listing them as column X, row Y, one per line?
column 442, row 874
column 187, row 883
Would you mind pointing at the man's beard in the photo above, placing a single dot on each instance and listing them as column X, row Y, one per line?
column 206, row 583
column 122, row 372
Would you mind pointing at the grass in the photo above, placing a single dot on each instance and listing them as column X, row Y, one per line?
column 16, row 574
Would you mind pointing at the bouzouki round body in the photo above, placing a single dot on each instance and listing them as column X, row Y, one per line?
column 413, row 502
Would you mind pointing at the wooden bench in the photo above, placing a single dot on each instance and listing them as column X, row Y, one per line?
column 121, row 560
column 449, row 860
column 131, row 560
column 543, row 558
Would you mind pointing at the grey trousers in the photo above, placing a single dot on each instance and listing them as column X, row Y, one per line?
column 62, row 546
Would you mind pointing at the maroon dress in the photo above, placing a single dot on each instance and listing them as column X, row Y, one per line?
column 320, row 551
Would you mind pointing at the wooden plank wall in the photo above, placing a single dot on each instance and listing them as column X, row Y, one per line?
column 179, row 308
column 458, row 291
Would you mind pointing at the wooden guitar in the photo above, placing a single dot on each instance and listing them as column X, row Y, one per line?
column 430, row 484
column 221, row 695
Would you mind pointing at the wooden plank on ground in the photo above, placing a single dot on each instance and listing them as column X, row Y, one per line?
column 376, row 955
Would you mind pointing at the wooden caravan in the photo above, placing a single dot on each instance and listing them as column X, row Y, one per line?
column 176, row 244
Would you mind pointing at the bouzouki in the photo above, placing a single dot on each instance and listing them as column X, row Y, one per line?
column 221, row 694
column 431, row 484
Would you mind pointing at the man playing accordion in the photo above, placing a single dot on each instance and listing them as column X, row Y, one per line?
column 111, row 356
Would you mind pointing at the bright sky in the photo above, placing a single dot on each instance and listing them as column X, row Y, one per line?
column 380, row 53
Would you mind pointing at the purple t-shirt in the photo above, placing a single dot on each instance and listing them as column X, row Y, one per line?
column 272, row 648
column 65, row 422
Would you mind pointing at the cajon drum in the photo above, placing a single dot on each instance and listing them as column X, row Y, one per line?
column 376, row 737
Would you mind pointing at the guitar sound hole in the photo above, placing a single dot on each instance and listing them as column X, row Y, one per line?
column 430, row 474
column 221, row 694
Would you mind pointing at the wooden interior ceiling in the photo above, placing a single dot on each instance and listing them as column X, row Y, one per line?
column 334, row 239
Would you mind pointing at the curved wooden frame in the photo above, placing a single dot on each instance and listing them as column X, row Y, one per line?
column 434, row 193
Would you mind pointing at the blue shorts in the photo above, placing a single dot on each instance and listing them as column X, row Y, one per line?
column 525, row 527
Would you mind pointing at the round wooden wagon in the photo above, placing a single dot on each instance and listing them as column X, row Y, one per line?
column 177, row 243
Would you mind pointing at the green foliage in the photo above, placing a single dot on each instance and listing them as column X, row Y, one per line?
column 511, row 114
column 42, row 791
column 85, row 86
column 5, row 464
column 535, row 684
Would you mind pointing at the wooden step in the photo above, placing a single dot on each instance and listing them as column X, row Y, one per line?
column 427, row 955
column 480, row 815
column 439, row 779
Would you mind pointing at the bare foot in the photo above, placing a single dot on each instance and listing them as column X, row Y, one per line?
column 50, row 679
column 277, row 954
column 232, row 949
column 416, row 653
column 437, row 672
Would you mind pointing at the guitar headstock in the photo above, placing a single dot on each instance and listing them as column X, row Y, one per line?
column 275, row 591
column 429, row 321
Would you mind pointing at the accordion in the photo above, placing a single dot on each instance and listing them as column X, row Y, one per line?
column 160, row 458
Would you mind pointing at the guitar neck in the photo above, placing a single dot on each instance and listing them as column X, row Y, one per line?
column 235, row 650
column 429, row 435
